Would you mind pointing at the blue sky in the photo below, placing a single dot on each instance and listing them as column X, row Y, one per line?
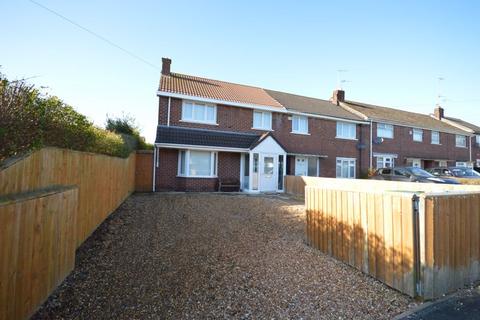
column 394, row 51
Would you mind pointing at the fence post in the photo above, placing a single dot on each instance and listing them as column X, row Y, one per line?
column 417, row 266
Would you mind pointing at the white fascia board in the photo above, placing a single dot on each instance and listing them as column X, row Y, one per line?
column 252, row 106
column 194, row 147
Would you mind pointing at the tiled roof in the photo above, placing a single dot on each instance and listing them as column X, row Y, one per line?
column 396, row 116
column 203, row 137
column 309, row 105
column 214, row 89
column 475, row 128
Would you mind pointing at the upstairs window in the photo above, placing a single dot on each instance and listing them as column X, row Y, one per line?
column 262, row 120
column 418, row 135
column 461, row 141
column 346, row 130
column 300, row 124
column 477, row 138
column 199, row 112
column 435, row 137
column 384, row 130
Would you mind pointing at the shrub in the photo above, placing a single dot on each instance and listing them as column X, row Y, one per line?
column 127, row 127
column 29, row 120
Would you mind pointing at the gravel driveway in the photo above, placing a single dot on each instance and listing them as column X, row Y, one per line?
column 192, row 256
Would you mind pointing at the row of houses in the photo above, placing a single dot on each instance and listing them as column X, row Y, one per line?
column 210, row 130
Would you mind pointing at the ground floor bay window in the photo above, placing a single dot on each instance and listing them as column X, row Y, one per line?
column 346, row 168
column 194, row 163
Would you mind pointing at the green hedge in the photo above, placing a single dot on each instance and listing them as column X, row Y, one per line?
column 30, row 120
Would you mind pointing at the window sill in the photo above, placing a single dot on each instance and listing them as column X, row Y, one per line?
column 301, row 133
column 436, row 144
column 199, row 122
column 418, row 141
column 262, row 129
column 197, row 177
column 462, row 147
column 343, row 138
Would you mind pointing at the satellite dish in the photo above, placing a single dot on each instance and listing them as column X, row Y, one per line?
column 378, row 140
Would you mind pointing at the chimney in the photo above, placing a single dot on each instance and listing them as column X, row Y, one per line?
column 166, row 62
column 439, row 112
column 338, row 96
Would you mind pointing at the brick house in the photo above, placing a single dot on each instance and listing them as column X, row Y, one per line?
column 210, row 130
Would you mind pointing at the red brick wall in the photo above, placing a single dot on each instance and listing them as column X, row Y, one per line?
column 166, row 173
column 320, row 141
column 322, row 138
column 405, row 147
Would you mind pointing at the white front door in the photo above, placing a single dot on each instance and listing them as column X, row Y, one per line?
column 301, row 166
column 268, row 172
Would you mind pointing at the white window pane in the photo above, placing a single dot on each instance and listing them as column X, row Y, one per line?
column 182, row 162
column 210, row 114
column 198, row 112
column 257, row 119
column 267, row 120
column 187, row 112
column 295, row 123
column 200, row 163
column 304, row 125
column 352, row 172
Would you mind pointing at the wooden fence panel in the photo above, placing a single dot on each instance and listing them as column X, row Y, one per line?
column 37, row 251
column 144, row 171
column 369, row 231
column 103, row 181
column 452, row 255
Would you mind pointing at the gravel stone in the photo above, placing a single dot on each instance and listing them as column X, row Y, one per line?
column 210, row 256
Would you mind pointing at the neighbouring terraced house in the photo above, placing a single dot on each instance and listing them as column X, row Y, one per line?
column 209, row 130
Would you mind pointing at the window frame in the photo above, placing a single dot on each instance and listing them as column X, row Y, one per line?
column 262, row 113
column 187, row 157
column 431, row 137
column 386, row 127
column 384, row 158
column 464, row 140
column 477, row 139
column 416, row 131
column 350, row 160
column 341, row 131
column 196, row 105
column 298, row 118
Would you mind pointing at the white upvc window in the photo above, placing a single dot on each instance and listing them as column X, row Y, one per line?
column 300, row 124
column 461, row 164
column 477, row 138
column 418, row 135
column 346, row 168
column 385, row 162
column 262, row 120
column 199, row 112
column 200, row 164
column 435, row 137
column 461, row 141
column 346, row 130
column 384, row 130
